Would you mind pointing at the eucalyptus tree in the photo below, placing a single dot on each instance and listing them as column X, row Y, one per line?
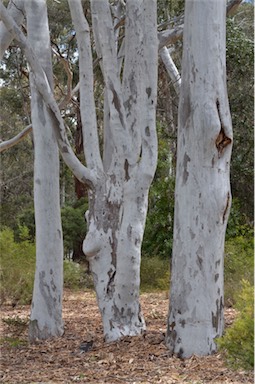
column 46, row 310
column 119, row 180
column 202, row 191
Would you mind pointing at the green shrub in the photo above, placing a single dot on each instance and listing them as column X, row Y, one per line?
column 155, row 274
column 239, row 264
column 76, row 276
column 17, row 267
column 74, row 225
column 158, row 235
column 237, row 344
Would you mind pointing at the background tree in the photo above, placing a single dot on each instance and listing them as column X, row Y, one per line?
column 240, row 54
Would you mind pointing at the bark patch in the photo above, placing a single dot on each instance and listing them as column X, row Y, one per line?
column 127, row 177
column 147, row 131
column 222, row 140
column 217, row 317
column 148, row 91
column 226, row 208
column 186, row 159
column 117, row 103
column 110, row 286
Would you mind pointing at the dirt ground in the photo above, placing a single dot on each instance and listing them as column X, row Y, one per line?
column 136, row 360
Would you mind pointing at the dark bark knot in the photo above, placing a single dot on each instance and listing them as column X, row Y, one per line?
column 218, row 316
column 127, row 177
column 222, row 140
column 110, row 285
column 148, row 91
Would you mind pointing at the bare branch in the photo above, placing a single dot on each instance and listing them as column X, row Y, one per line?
column 16, row 10
column 87, row 101
column 170, row 36
column 106, row 49
column 69, row 74
column 171, row 69
column 82, row 173
column 16, row 139
column 232, row 6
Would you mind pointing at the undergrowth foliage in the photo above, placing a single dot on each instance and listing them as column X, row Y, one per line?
column 17, row 268
column 238, row 342
column 239, row 265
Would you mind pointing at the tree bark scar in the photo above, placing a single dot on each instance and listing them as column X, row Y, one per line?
column 222, row 139
column 117, row 104
column 110, row 285
column 226, row 208
column 127, row 177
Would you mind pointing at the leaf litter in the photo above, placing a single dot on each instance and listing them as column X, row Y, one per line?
column 82, row 356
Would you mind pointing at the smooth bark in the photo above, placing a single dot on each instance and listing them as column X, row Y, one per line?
column 117, row 208
column 202, row 196
column 46, row 310
column 42, row 84
column 120, row 183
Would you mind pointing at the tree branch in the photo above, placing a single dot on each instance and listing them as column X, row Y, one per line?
column 148, row 162
column 170, row 36
column 82, row 173
column 106, row 49
column 87, row 101
column 171, row 69
column 16, row 10
column 16, row 139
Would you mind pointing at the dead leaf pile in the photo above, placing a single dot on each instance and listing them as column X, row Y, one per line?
column 82, row 356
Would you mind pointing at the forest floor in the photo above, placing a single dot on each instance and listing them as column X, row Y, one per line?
column 136, row 360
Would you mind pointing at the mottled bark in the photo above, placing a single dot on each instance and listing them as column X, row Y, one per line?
column 118, row 185
column 118, row 205
column 202, row 196
column 46, row 311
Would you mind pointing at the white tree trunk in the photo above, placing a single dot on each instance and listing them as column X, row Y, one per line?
column 46, row 311
column 203, row 196
column 118, row 207
column 119, row 185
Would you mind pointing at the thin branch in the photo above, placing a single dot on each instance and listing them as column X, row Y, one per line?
column 170, row 36
column 16, row 139
column 69, row 74
column 82, row 173
column 171, row 69
column 232, row 6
